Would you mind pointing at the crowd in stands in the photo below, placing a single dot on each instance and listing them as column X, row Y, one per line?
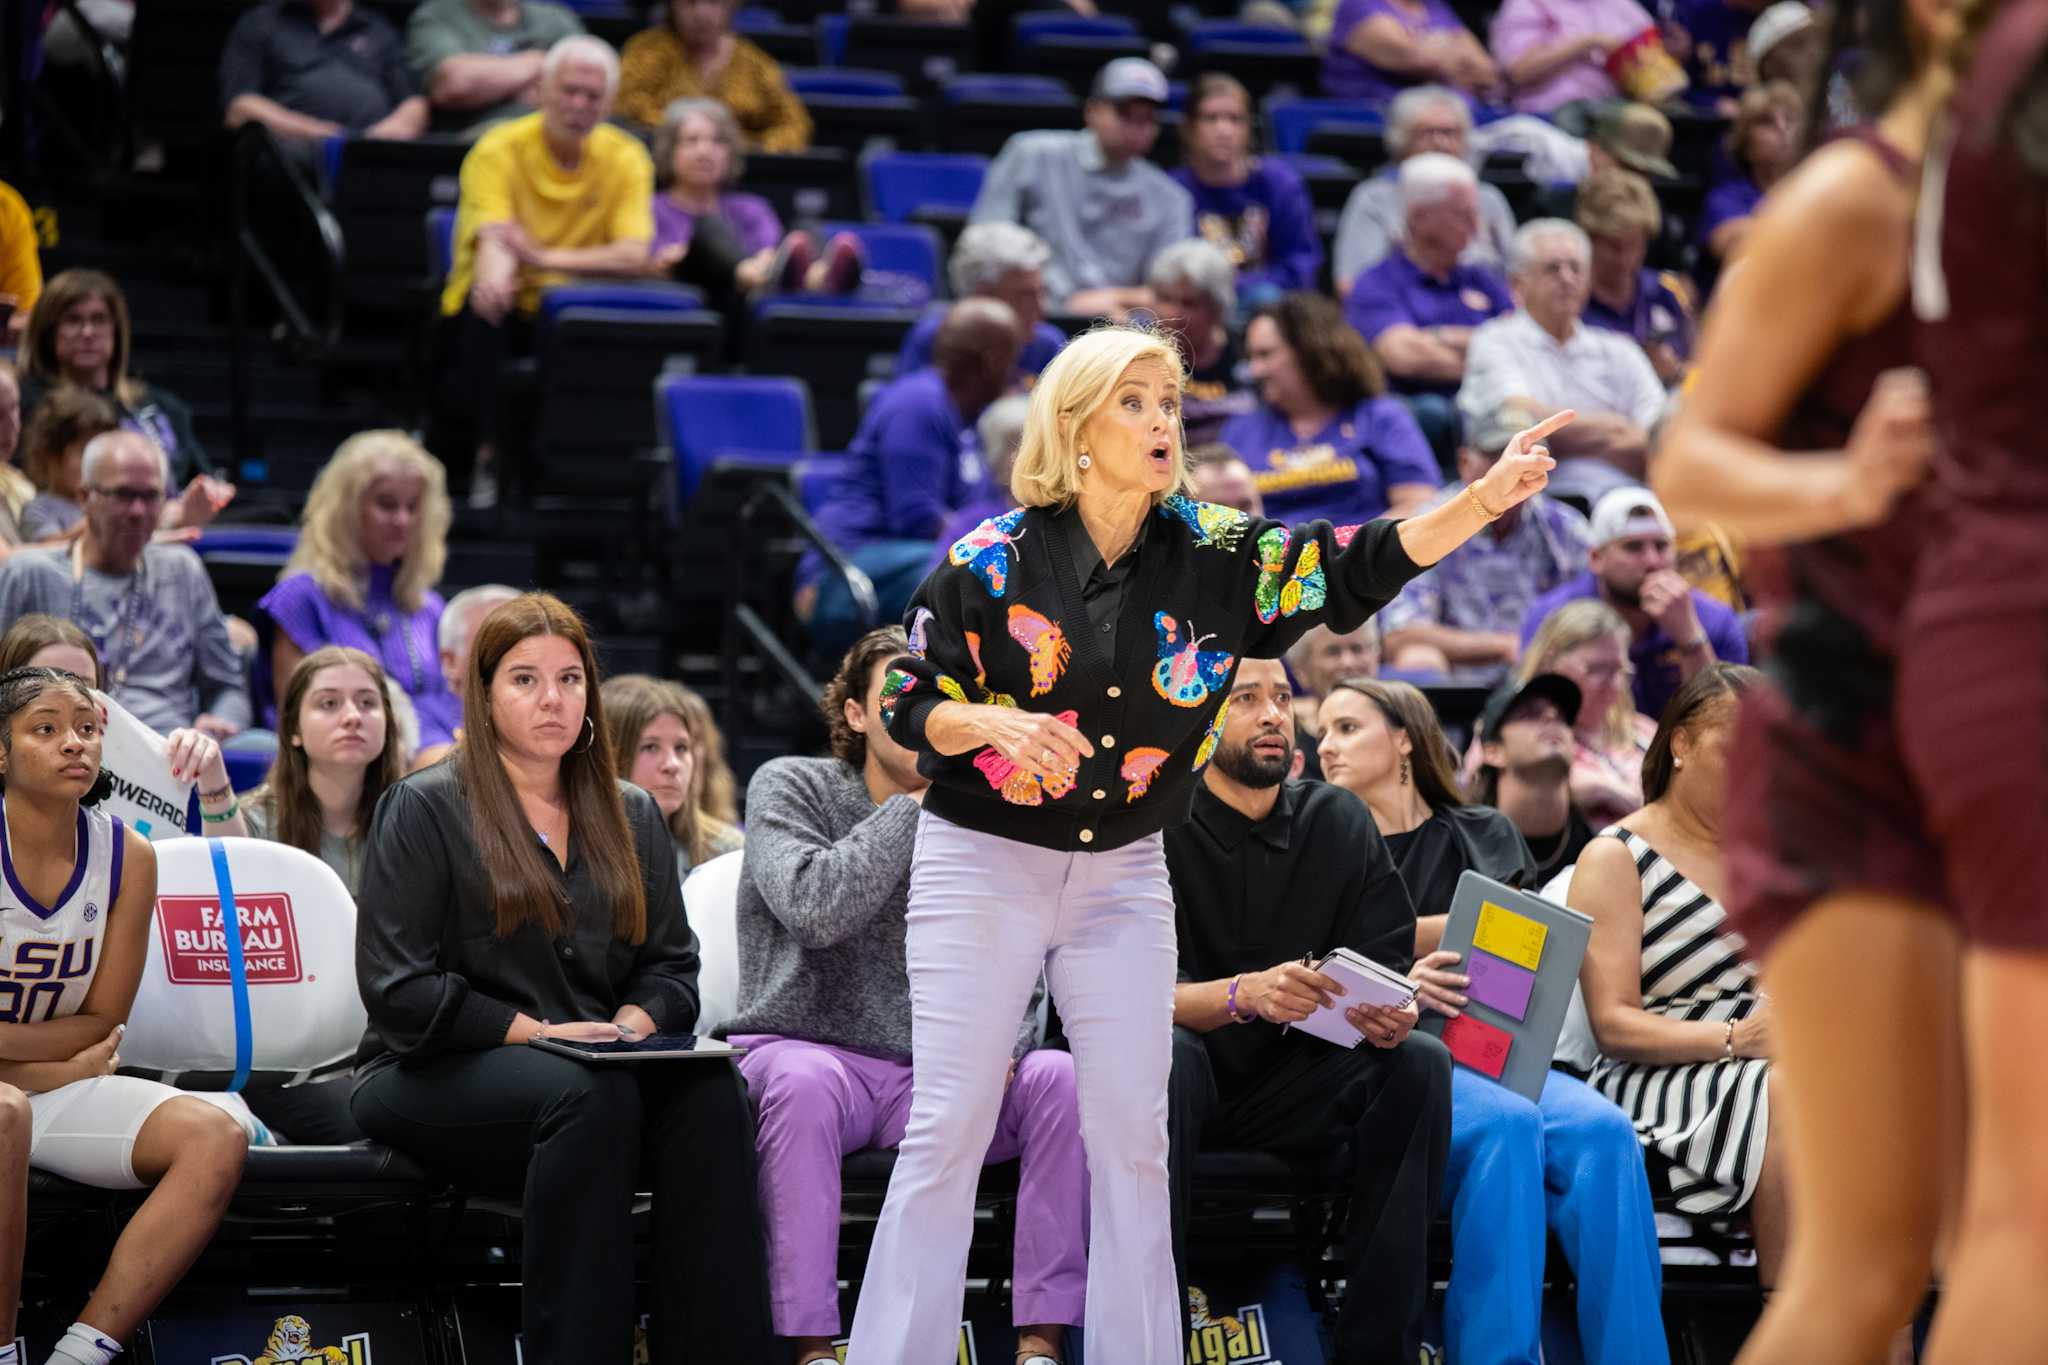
column 1370, row 367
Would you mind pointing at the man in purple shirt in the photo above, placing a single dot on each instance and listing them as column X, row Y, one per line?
column 1255, row 208
column 1417, row 308
column 1675, row 630
column 914, row 461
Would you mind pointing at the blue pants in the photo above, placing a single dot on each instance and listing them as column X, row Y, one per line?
column 897, row 567
column 1572, row 1165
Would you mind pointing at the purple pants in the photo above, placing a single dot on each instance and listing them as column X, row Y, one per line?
column 818, row 1103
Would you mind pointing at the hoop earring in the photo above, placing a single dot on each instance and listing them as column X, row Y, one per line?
column 1404, row 770
column 589, row 738
column 1084, row 462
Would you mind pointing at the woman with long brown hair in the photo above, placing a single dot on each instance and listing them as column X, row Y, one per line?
column 338, row 748
column 661, row 751
column 520, row 890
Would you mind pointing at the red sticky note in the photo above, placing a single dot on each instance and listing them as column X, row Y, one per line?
column 1478, row 1044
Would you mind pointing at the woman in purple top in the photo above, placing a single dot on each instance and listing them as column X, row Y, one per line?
column 1326, row 441
column 1763, row 144
column 725, row 242
column 1380, row 47
column 372, row 543
column 1256, row 209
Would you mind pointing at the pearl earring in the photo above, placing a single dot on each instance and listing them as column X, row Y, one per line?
column 1678, row 763
column 1084, row 461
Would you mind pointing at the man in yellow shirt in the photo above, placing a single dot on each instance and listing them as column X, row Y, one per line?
column 547, row 197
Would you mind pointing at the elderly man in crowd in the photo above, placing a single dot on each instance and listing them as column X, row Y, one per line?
column 555, row 194
column 1418, row 308
column 1675, row 630
column 1219, row 475
column 999, row 261
column 824, row 1011
column 163, row 642
column 1269, row 874
column 1542, row 357
column 1194, row 292
column 1423, row 118
column 480, row 61
column 1102, row 208
column 1317, row 662
column 1461, row 618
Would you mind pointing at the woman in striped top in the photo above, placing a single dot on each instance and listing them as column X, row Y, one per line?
column 1684, row 1031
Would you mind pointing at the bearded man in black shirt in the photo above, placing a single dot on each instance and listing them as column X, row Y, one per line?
column 1267, row 872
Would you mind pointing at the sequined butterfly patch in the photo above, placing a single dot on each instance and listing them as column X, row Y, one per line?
column 959, row 693
column 1280, row 593
column 1139, row 765
column 894, row 686
column 986, row 550
column 1212, row 736
column 1186, row 673
column 1215, row 527
column 1045, row 642
column 1019, row 787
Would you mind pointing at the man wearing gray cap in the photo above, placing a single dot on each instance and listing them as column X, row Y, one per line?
column 1103, row 209
column 1462, row 616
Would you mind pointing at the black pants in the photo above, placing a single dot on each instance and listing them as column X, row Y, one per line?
column 1392, row 1108
column 316, row 1112
column 472, row 401
column 576, row 1138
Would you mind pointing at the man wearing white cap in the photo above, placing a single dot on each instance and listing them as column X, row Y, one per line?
column 1674, row 629
column 1103, row 209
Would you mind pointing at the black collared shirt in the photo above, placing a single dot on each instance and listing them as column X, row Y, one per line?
column 1312, row 876
column 1102, row 585
column 354, row 75
column 432, row 970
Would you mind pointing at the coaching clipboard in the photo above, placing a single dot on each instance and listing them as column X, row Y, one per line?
column 1523, row 954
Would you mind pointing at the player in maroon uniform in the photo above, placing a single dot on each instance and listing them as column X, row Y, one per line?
column 1973, row 673
column 1803, row 432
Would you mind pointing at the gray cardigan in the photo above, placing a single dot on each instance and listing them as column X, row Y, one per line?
column 824, row 884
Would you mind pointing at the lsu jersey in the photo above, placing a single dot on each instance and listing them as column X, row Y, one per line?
column 49, row 953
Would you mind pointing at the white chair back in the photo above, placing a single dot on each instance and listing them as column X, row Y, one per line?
column 296, row 1012
column 711, row 896
column 1575, row 1045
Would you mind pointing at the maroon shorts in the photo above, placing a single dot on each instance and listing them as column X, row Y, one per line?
column 1973, row 722
column 1819, row 801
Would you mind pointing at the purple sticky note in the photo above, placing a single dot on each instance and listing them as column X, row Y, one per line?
column 1500, row 984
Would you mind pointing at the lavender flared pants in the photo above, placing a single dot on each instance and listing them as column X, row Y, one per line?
column 817, row 1104
column 985, row 915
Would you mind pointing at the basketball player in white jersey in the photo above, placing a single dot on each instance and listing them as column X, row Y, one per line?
column 76, row 892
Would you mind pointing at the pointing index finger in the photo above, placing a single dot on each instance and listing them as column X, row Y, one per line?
column 1546, row 426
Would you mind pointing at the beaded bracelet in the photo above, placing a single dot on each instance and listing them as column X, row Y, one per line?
column 221, row 817
column 1729, row 1043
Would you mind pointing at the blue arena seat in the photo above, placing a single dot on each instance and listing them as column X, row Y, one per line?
column 1291, row 118
column 900, row 184
column 1265, row 59
column 651, row 297
column 909, row 249
column 1036, row 24
column 839, row 80
column 706, row 416
column 792, row 44
column 441, row 242
column 837, row 346
column 981, row 113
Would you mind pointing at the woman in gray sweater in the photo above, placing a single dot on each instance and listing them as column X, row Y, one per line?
column 824, row 1007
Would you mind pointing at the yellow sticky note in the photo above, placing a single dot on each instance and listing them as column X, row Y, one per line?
column 1508, row 935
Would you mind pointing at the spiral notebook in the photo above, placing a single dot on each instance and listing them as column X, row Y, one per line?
column 1365, row 982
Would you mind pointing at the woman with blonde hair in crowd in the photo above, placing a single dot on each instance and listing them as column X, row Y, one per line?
column 518, row 891
column 1569, row 1163
column 1587, row 641
column 661, row 751
column 372, row 543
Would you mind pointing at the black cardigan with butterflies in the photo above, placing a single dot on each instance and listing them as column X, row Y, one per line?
column 1002, row 621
